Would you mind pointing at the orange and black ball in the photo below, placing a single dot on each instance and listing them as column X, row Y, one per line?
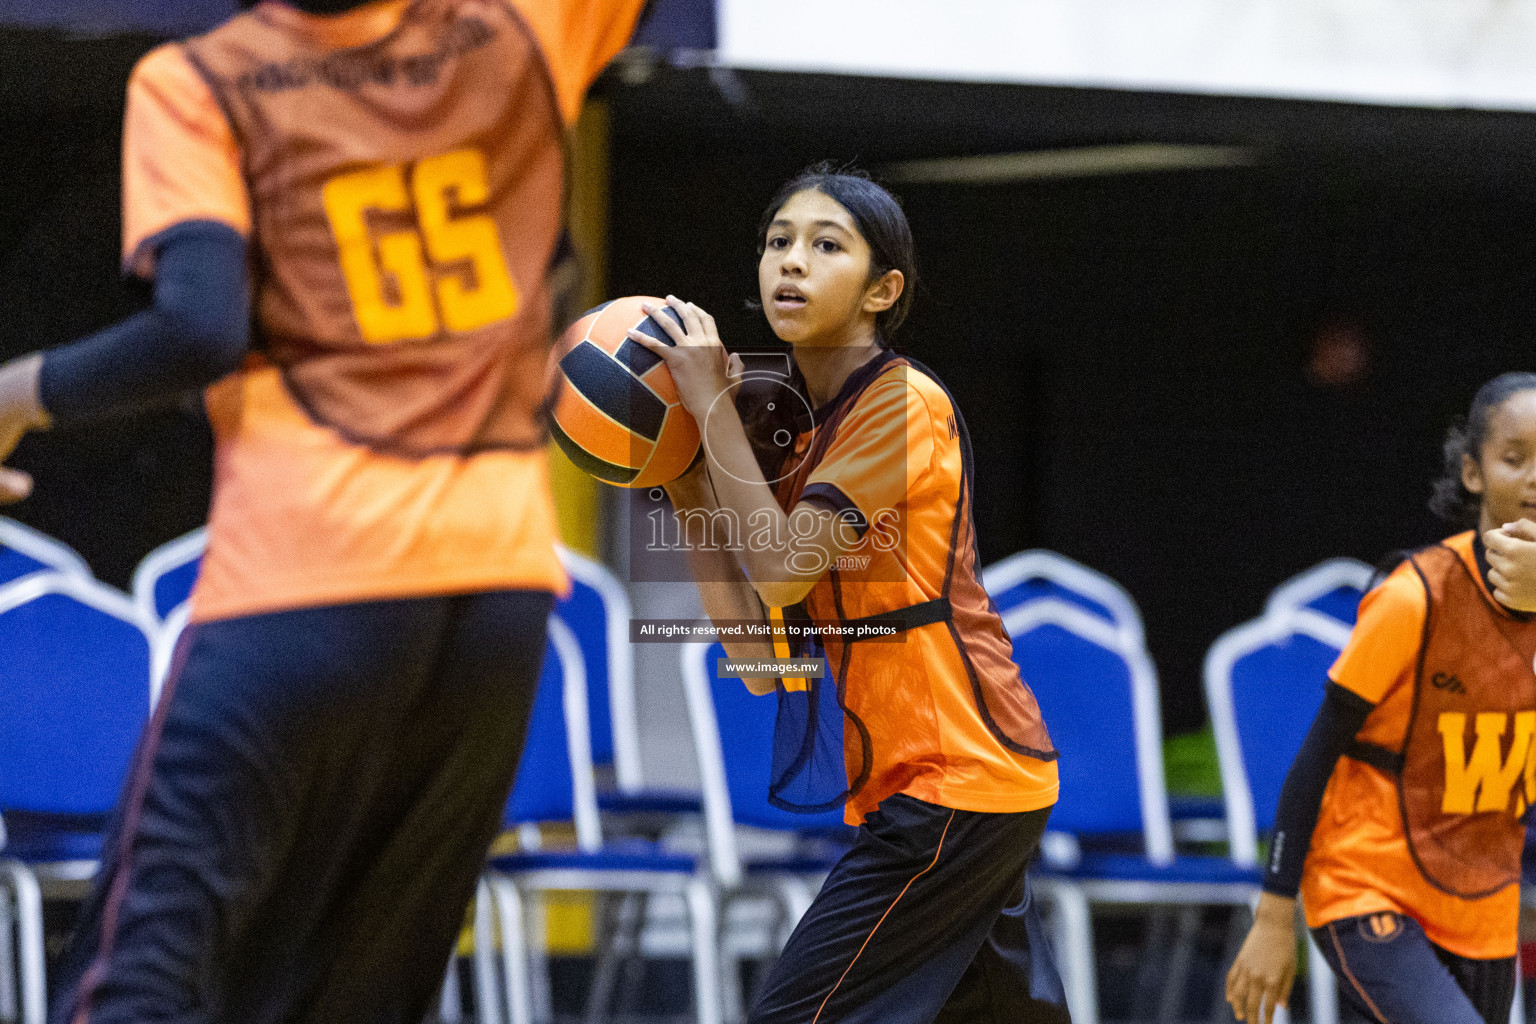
column 617, row 414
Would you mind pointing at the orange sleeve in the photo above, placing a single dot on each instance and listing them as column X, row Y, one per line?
column 180, row 159
column 881, row 448
column 1384, row 647
column 579, row 38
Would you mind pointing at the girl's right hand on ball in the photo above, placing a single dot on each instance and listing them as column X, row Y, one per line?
column 696, row 359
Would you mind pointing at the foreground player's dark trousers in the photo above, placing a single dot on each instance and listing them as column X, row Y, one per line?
column 308, row 813
column 1390, row 972
column 928, row 918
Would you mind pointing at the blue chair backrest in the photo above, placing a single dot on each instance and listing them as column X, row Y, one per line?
column 1333, row 588
column 164, row 578
column 554, row 774
column 74, row 693
column 598, row 613
column 1264, row 682
column 24, row 551
column 1036, row 574
column 1098, row 692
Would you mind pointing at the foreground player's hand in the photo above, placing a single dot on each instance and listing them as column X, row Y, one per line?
column 1512, row 564
column 696, row 359
column 1261, row 976
column 20, row 412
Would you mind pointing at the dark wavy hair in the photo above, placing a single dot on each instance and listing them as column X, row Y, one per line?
column 879, row 218
column 1450, row 499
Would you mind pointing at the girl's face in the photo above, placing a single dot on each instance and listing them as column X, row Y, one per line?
column 813, row 276
column 1504, row 472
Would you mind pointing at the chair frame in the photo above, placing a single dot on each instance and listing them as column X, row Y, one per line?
column 1323, row 578
column 1040, row 563
column 52, row 553
column 1284, row 618
column 500, row 900
column 20, row 882
column 168, row 556
column 622, row 708
column 23, row 967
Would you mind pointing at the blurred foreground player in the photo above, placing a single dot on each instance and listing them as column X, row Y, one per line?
column 854, row 484
column 370, row 201
column 1400, row 821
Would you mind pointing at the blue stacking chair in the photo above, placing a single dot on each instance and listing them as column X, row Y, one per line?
column 1264, row 682
column 1038, row 573
column 76, row 691
column 74, row 697
column 1030, row 575
column 22, row 983
column 733, row 740
column 164, row 578
column 1085, row 658
column 24, row 550
column 598, row 613
column 1333, row 588
column 555, row 782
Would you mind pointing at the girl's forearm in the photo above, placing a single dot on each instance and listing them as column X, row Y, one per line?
column 725, row 591
column 739, row 486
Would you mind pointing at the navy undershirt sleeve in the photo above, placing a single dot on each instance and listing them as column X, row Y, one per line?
column 1338, row 721
column 197, row 330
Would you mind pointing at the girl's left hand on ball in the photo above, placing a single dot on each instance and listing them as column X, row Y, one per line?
column 697, row 361
column 1512, row 564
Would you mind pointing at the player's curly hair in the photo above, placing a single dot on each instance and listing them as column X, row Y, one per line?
column 1450, row 499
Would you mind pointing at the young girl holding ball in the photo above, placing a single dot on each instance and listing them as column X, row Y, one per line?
column 946, row 765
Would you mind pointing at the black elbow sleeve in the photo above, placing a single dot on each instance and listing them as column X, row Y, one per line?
column 1301, row 797
column 197, row 331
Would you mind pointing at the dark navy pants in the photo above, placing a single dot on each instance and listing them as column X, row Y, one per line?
column 1393, row 974
column 308, row 813
column 928, row 918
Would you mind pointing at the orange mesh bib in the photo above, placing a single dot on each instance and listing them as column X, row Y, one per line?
column 963, row 611
column 386, row 182
column 1467, row 770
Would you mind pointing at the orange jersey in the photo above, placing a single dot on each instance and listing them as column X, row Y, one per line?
column 940, row 712
column 1360, row 861
column 301, row 515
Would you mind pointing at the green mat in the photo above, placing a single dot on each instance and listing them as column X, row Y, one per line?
column 1189, row 763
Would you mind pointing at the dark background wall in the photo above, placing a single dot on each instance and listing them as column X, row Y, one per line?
column 113, row 490
column 1198, row 382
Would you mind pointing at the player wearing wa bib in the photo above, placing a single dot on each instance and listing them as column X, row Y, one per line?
column 1421, row 825
column 357, row 214
column 1409, row 877
column 1401, row 821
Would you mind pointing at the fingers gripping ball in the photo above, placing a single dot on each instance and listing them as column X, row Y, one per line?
column 617, row 414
